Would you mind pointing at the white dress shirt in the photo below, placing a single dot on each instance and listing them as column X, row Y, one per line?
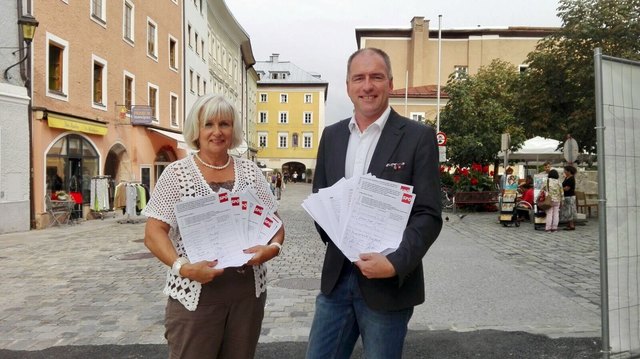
column 362, row 144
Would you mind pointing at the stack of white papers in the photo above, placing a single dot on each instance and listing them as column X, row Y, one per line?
column 362, row 214
column 220, row 226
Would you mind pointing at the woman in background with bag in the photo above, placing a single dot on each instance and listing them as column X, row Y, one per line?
column 552, row 191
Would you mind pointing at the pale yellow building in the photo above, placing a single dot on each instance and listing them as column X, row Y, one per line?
column 414, row 58
column 290, row 116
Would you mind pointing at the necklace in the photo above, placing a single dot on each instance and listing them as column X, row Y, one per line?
column 212, row 166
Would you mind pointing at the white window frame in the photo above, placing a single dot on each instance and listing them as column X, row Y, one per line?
column 189, row 35
column 415, row 116
column 283, row 117
column 522, row 68
column 64, row 96
column 304, row 117
column 266, row 139
column 266, row 117
column 124, row 89
column 153, row 56
column 156, row 115
column 308, row 97
column 98, row 60
column 129, row 38
column 174, row 122
column 173, row 67
column 458, row 69
column 285, row 136
column 266, row 97
column 305, row 136
column 198, row 84
column 98, row 16
column 196, row 40
column 284, row 98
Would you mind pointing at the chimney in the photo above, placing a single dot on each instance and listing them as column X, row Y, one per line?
column 274, row 58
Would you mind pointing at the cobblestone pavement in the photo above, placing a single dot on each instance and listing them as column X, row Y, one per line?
column 95, row 283
column 567, row 261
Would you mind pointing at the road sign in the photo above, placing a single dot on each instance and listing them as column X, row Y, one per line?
column 442, row 153
column 570, row 150
column 442, row 139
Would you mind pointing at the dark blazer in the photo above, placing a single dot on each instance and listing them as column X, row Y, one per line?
column 411, row 145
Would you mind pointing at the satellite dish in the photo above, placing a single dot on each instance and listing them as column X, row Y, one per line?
column 240, row 150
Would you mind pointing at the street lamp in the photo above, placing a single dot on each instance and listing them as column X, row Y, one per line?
column 28, row 26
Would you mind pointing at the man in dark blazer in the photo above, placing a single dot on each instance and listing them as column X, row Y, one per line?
column 374, row 297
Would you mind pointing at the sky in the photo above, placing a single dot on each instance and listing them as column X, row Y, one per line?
column 319, row 35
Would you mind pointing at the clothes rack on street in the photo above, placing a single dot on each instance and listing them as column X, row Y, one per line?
column 99, row 201
column 131, row 197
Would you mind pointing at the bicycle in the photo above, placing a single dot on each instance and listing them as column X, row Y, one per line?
column 446, row 197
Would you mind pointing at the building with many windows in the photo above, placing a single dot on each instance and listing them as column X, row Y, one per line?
column 107, row 94
column 414, row 58
column 290, row 116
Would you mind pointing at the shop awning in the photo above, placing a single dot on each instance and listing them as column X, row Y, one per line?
column 172, row 135
column 76, row 124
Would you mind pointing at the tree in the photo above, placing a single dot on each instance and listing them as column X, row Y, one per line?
column 557, row 95
column 479, row 110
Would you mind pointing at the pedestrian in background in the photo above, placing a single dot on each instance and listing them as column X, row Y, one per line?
column 553, row 188
column 211, row 312
column 374, row 297
column 279, row 185
column 570, row 211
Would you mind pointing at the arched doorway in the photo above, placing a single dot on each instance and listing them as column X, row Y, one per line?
column 117, row 164
column 164, row 157
column 294, row 172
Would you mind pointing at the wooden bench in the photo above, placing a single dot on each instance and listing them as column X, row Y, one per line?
column 484, row 197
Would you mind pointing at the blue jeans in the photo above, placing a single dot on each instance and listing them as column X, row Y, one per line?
column 343, row 316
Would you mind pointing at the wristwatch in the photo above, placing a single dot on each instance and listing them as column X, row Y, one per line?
column 276, row 244
column 175, row 269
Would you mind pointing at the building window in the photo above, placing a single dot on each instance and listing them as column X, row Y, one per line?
column 129, row 94
column 98, row 12
column 153, row 102
column 57, row 72
column 191, row 81
column 294, row 140
column 202, row 48
column 284, row 117
column 307, row 140
column 152, row 40
column 173, row 57
column 522, row 68
column 173, row 100
column 262, row 139
column 460, row 71
column 284, row 98
column 198, row 83
column 263, row 117
column 189, row 36
column 197, row 43
column 417, row 116
column 308, row 98
column 308, row 117
column 282, row 139
column 263, row 97
column 128, row 17
column 204, row 87
column 99, row 82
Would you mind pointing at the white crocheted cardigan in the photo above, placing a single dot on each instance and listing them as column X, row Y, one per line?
column 182, row 178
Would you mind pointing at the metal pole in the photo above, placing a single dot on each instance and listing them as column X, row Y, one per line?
column 439, row 65
column 406, row 92
column 602, row 209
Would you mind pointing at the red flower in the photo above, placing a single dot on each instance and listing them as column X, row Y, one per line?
column 476, row 167
column 464, row 172
column 485, row 169
column 491, row 173
column 474, row 181
column 456, row 178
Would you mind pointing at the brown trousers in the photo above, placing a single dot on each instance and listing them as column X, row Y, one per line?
column 226, row 323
